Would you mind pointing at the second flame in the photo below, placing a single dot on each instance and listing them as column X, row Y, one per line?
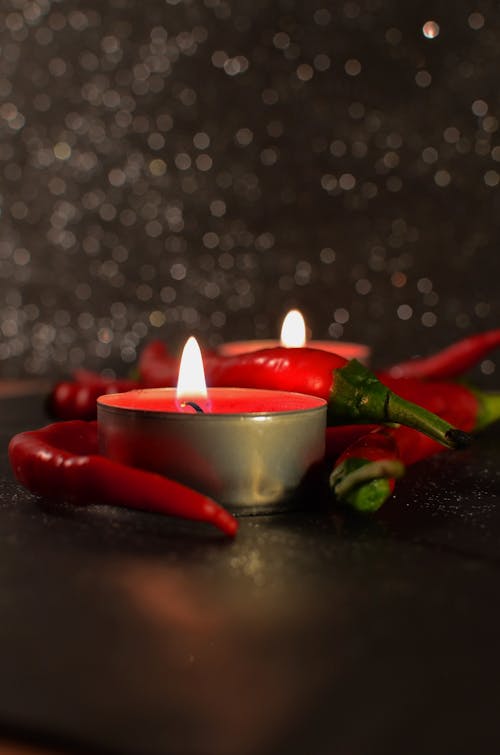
column 293, row 330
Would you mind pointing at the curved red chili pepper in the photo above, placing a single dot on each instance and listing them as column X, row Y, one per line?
column 78, row 400
column 157, row 367
column 302, row 370
column 338, row 438
column 62, row 460
column 451, row 362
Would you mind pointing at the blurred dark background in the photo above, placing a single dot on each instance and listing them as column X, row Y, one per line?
column 193, row 166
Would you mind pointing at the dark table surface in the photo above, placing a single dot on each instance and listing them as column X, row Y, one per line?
column 312, row 632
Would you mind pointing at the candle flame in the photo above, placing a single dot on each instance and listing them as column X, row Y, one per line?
column 293, row 330
column 191, row 382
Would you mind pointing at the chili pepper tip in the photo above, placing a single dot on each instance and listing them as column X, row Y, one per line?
column 225, row 522
column 365, row 485
column 369, row 497
column 458, row 438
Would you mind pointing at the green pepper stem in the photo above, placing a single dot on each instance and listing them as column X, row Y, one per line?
column 412, row 415
column 358, row 396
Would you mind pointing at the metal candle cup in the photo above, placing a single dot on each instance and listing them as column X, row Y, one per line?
column 251, row 450
column 345, row 349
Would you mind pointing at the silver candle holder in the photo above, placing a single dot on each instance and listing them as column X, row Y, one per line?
column 248, row 461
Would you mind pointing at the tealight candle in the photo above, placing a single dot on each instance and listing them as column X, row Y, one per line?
column 293, row 335
column 249, row 449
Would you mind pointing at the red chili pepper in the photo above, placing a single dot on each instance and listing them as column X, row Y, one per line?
column 78, row 400
column 62, row 460
column 353, row 393
column 337, row 439
column 450, row 362
column 157, row 367
column 364, row 475
column 443, row 397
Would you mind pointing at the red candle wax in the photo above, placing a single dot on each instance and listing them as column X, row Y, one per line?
column 219, row 401
column 345, row 349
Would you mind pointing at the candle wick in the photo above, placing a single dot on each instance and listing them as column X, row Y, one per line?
column 196, row 407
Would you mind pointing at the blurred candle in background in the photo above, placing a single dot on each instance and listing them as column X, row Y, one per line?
column 294, row 335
